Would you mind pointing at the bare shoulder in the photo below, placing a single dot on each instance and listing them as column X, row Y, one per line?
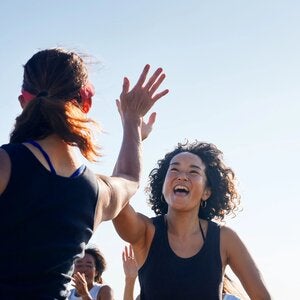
column 149, row 227
column 227, row 234
column 230, row 244
column 5, row 169
column 105, row 293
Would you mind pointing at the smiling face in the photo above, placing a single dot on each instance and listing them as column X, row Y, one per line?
column 86, row 266
column 185, row 185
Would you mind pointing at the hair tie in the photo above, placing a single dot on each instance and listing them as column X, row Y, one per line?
column 42, row 94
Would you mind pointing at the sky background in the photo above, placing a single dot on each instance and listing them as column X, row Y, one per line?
column 233, row 70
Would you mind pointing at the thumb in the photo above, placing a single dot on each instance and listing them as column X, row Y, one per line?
column 118, row 104
column 152, row 119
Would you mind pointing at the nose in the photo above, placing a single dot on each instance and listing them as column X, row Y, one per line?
column 81, row 269
column 182, row 176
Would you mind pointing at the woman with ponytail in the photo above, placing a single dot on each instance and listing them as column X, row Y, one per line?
column 50, row 202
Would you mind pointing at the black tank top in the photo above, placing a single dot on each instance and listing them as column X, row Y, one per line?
column 165, row 276
column 45, row 222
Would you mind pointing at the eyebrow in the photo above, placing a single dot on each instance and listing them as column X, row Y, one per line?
column 191, row 166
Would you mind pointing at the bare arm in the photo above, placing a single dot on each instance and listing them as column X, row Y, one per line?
column 242, row 264
column 116, row 191
column 136, row 229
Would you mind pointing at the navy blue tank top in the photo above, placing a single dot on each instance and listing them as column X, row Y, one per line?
column 165, row 276
column 45, row 222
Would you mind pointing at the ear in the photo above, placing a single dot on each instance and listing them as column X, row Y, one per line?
column 22, row 101
column 206, row 194
column 86, row 105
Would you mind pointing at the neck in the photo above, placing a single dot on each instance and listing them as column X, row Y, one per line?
column 182, row 224
column 61, row 154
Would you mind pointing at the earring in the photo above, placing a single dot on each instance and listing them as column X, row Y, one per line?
column 203, row 204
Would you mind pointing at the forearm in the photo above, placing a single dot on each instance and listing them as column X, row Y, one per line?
column 129, row 160
column 129, row 288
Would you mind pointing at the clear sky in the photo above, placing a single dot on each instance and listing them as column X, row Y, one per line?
column 233, row 70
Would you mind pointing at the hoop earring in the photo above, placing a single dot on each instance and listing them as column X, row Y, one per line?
column 203, row 204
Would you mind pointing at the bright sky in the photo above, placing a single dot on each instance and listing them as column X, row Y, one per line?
column 233, row 70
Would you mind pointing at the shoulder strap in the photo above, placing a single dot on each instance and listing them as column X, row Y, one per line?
column 158, row 221
column 38, row 146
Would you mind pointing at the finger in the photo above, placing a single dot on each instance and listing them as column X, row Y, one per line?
column 159, row 95
column 81, row 276
column 156, row 85
column 126, row 252
column 153, row 78
column 126, row 85
column 143, row 76
column 131, row 251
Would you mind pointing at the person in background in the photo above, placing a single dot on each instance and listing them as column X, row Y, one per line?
column 182, row 253
column 87, row 277
column 131, row 272
column 50, row 202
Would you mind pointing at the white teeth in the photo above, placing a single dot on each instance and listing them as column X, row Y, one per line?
column 181, row 188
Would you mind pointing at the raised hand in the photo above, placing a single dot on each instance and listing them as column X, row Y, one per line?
column 138, row 101
column 129, row 263
column 80, row 284
column 146, row 127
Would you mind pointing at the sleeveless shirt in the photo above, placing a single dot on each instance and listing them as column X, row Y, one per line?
column 93, row 292
column 165, row 276
column 45, row 222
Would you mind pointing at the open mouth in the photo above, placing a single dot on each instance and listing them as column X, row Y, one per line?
column 181, row 190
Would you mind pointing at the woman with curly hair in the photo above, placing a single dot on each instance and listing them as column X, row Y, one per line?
column 182, row 253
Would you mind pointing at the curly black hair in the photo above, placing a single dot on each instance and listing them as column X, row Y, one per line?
column 224, row 198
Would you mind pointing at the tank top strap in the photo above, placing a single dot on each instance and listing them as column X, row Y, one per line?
column 44, row 153
column 78, row 172
column 213, row 234
column 202, row 232
column 159, row 222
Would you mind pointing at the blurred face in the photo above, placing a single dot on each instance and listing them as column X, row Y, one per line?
column 185, row 183
column 86, row 266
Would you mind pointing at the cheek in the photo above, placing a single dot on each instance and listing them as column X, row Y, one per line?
column 165, row 187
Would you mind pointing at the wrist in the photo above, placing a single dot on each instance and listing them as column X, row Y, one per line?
column 132, row 119
column 130, row 279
